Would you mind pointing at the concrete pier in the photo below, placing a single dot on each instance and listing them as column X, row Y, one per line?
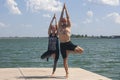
column 44, row 74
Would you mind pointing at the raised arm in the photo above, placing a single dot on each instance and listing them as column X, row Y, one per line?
column 49, row 29
column 67, row 15
column 56, row 25
column 55, row 21
column 62, row 13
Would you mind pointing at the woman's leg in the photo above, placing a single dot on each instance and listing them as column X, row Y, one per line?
column 45, row 55
column 56, row 57
column 54, row 65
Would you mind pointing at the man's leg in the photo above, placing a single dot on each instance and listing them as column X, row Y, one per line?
column 78, row 49
column 64, row 54
column 65, row 62
column 74, row 48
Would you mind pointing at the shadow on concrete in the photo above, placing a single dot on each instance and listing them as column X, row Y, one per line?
column 41, row 77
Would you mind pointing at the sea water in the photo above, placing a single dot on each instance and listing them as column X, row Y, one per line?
column 101, row 56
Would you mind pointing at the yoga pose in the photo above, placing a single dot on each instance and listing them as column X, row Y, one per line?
column 53, row 44
column 64, row 32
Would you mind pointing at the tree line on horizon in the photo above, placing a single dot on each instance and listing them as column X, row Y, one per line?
column 73, row 36
column 86, row 36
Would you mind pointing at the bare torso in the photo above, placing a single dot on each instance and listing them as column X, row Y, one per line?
column 64, row 34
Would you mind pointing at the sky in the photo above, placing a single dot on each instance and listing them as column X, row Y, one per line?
column 31, row 18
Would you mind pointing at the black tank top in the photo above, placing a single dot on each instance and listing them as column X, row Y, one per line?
column 53, row 42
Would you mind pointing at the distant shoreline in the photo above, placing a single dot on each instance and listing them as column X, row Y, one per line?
column 72, row 36
column 101, row 36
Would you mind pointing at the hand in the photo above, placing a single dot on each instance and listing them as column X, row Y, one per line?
column 54, row 16
column 64, row 6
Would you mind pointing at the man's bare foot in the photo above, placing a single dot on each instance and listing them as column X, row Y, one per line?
column 66, row 76
column 52, row 75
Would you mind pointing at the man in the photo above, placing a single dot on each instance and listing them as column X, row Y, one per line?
column 64, row 32
column 53, row 44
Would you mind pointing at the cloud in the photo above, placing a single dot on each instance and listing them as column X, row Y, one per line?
column 111, row 2
column 12, row 6
column 107, row 2
column 47, row 5
column 87, row 21
column 115, row 17
column 3, row 25
column 89, row 14
column 46, row 15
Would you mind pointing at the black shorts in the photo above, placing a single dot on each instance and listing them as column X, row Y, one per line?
column 66, row 46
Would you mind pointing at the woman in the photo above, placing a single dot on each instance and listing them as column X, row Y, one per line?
column 53, row 44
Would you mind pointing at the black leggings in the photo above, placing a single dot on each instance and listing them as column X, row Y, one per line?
column 48, row 54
